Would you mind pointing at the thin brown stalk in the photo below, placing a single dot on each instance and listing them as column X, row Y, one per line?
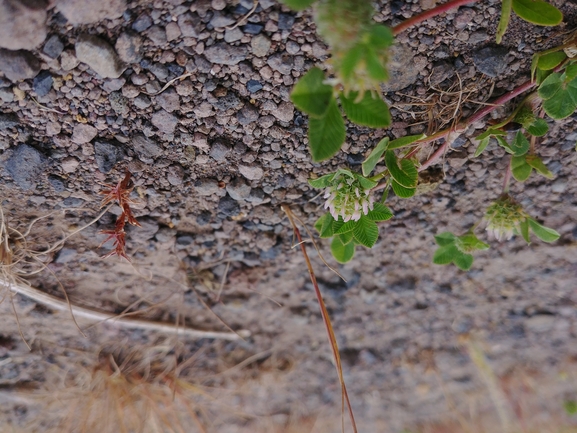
column 326, row 319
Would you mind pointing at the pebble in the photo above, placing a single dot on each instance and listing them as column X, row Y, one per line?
column 175, row 175
column 219, row 151
column 253, row 86
column 8, row 120
column 25, row 165
column 206, row 187
column 69, row 164
column 42, row 83
column 145, row 148
column 441, row 71
column 247, row 114
column 172, row 31
column 148, row 228
column 233, row 35
column 113, row 85
column 224, row 54
column 190, row 25
column 118, row 103
column 285, row 21
column 129, row 47
column 157, row 35
column 18, row 65
column 402, row 70
column 6, row 94
column 285, row 112
column 68, row 60
column 169, row 100
column 107, row 154
column 22, row 26
column 427, row 4
column 251, row 172
column 142, row 102
column 252, row 29
column 83, row 133
column 228, row 207
column 53, row 47
column 238, row 189
column 164, row 121
column 491, row 61
column 292, row 47
column 218, row 20
column 142, row 23
column 90, row 11
column 99, row 55
column 281, row 63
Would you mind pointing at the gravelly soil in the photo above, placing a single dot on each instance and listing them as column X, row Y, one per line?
column 212, row 159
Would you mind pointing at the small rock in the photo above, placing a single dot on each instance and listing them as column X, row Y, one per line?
column 175, row 175
column 169, row 100
column 159, row 71
column 69, row 164
column 99, row 55
column 206, row 187
column 83, row 133
column 145, row 148
column 172, row 31
column 232, row 35
column 441, row 71
column 427, row 4
column 402, row 71
column 218, row 20
column 190, row 25
column 53, row 47
column 228, row 207
column 72, row 202
column 285, row 112
column 282, row 63
column 238, row 189
column 25, row 165
column 253, row 86
column 107, row 154
column 203, row 218
column 251, row 172
column 118, row 103
column 142, row 102
column 260, row 45
column 22, row 24
column 129, row 46
column 164, row 121
column 247, row 114
column 8, row 120
column 142, row 23
column 148, row 228
column 65, row 255
column 157, row 35
column 6, row 94
column 68, row 60
column 285, row 21
column 478, row 37
column 219, row 151
column 113, row 85
column 252, row 29
column 224, row 54
column 53, row 128
column 57, row 183
column 90, row 11
column 18, row 65
column 42, row 83
column 491, row 61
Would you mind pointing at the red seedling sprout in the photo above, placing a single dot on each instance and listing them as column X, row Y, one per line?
column 119, row 194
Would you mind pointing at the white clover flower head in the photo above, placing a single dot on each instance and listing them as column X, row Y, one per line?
column 347, row 198
column 504, row 217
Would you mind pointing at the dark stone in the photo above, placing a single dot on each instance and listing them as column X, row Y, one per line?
column 159, row 71
column 285, row 21
column 107, row 154
column 57, row 183
column 53, row 47
column 72, row 202
column 252, row 29
column 203, row 218
column 230, row 100
column 142, row 22
column 25, row 165
column 174, row 70
column 355, row 158
column 396, row 6
column 42, row 83
column 459, row 141
column 247, row 114
column 18, row 65
column 441, row 71
column 228, row 207
column 8, row 120
column 184, row 240
column 253, row 86
column 491, row 61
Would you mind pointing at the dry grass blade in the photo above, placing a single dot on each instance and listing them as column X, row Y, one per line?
column 326, row 319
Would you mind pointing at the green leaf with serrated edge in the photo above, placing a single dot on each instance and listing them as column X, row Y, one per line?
column 535, row 162
column 380, row 37
column 337, row 224
column 366, row 232
column 374, row 67
column 482, row 146
column 470, row 242
column 311, row 95
column 327, row 134
column 342, row 252
column 369, row 111
column 490, row 133
column 562, row 105
column 350, row 61
column 538, row 12
column 405, row 141
column 380, row 213
column 324, row 226
column 445, row 255
column 524, row 226
column 544, row 233
column 321, row 182
column 372, row 160
column 366, row 183
column 570, row 72
column 401, row 191
column 550, row 86
column 464, row 261
column 445, row 238
column 298, row 5
column 503, row 143
column 550, row 61
column 346, row 237
column 520, row 145
column 540, row 76
column 538, row 128
column 505, row 18
column 406, row 175
column 520, row 169
column 349, row 226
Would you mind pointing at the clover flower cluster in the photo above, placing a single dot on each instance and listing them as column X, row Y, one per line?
column 347, row 198
column 504, row 217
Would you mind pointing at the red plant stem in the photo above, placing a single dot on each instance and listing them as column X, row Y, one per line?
column 462, row 126
column 430, row 14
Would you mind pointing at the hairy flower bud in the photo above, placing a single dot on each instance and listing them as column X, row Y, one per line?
column 346, row 196
column 504, row 217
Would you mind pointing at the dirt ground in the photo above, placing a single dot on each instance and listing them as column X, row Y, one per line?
column 425, row 348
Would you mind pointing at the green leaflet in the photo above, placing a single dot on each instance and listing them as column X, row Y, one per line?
column 298, row 5
column 520, row 169
column 369, row 111
column 535, row 162
column 482, row 146
column 538, row 128
column 366, row 232
column 560, row 97
column 457, row 249
column 372, row 160
column 538, row 12
column 401, row 191
column 524, row 226
column 405, row 141
column 346, row 237
column 445, row 238
column 544, row 233
column 464, row 261
column 321, row 182
column 406, row 175
column 550, row 61
column 311, row 95
column 380, row 213
column 504, row 20
column 327, row 134
column 324, row 226
column 342, row 252
column 380, row 37
column 520, row 145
